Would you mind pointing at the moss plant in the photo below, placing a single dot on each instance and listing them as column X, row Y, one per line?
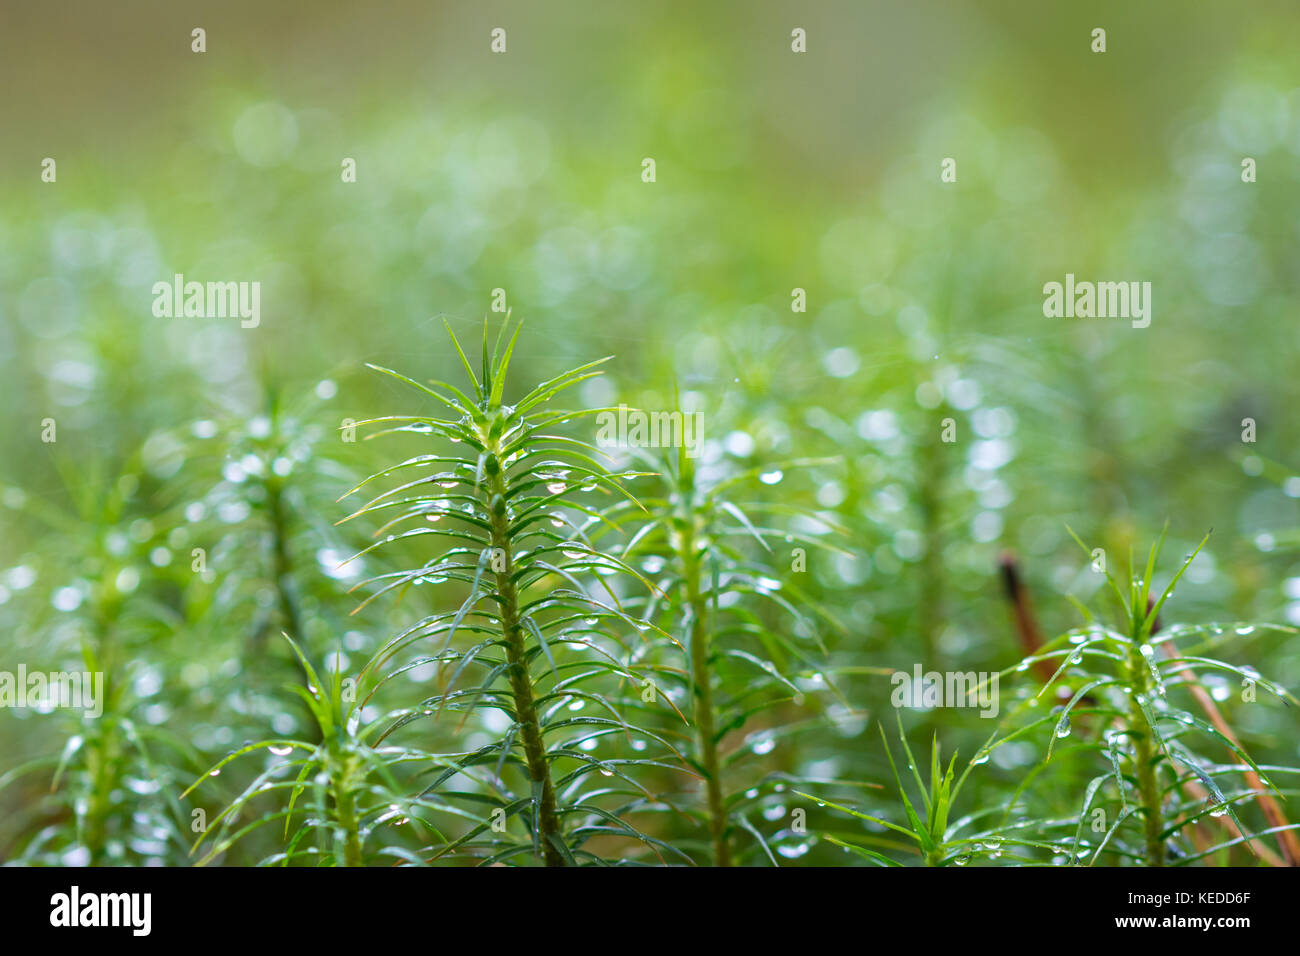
column 745, row 630
column 111, row 777
column 932, row 831
column 1172, row 798
column 511, row 498
column 689, row 551
column 350, row 783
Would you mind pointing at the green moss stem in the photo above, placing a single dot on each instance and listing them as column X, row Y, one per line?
column 521, row 682
column 346, row 814
column 1144, row 756
column 688, row 553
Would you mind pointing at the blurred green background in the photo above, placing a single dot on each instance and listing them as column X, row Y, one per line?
column 522, row 171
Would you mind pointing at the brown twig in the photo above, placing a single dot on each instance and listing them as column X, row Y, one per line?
column 1027, row 629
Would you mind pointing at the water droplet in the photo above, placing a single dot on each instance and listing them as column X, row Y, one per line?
column 280, row 751
column 143, row 787
column 771, row 477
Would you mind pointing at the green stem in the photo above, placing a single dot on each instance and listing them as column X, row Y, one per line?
column 701, row 680
column 283, row 571
column 521, row 682
column 707, row 742
column 929, row 601
column 282, row 565
column 346, row 813
column 103, row 746
column 1144, row 755
column 104, row 762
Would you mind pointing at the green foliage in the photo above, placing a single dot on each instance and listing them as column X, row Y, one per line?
column 656, row 675
column 544, row 629
column 110, row 796
column 1134, row 690
column 744, row 636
